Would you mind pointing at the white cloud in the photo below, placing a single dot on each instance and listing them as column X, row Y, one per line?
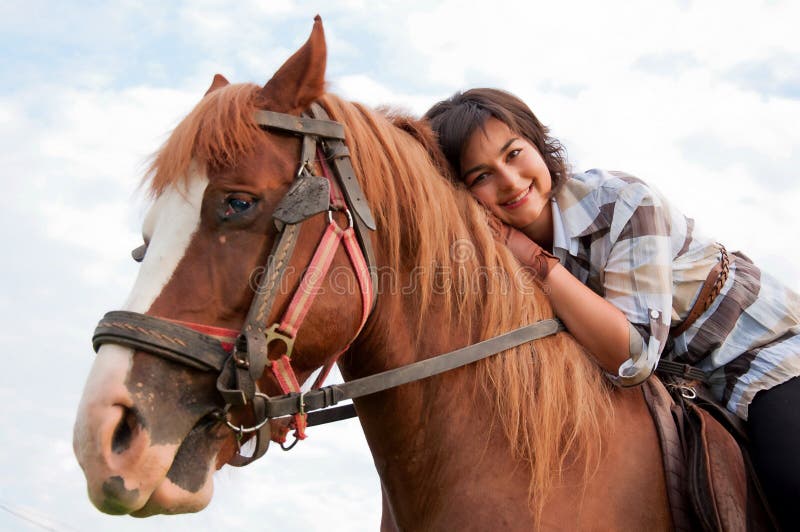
column 365, row 89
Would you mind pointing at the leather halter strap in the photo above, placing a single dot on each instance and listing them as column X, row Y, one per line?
column 300, row 124
column 286, row 330
column 329, row 132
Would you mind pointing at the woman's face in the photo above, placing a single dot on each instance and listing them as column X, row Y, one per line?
column 506, row 173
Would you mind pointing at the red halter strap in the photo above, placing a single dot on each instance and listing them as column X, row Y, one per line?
column 226, row 337
column 286, row 330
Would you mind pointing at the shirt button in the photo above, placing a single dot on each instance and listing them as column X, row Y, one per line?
column 654, row 314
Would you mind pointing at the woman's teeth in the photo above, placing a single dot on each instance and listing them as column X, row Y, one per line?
column 517, row 197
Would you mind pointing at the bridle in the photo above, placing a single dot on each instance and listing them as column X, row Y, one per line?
column 241, row 366
column 239, row 358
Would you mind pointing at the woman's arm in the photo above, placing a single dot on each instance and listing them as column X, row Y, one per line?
column 597, row 324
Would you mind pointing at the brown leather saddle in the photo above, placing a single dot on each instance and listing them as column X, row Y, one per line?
column 710, row 481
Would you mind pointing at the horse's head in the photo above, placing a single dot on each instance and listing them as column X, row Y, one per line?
column 151, row 430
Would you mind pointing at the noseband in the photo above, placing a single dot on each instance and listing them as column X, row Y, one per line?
column 241, row 357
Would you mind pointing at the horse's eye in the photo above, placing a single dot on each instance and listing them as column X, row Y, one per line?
column 237, row 205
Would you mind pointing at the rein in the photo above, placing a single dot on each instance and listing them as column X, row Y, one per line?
column 239, row 358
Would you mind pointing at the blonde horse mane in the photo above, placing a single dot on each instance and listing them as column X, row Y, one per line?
column 550, row 399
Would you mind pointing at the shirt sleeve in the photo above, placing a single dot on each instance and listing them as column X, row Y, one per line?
column 637, row 278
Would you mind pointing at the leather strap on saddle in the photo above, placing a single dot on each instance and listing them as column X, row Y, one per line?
column 667, row 420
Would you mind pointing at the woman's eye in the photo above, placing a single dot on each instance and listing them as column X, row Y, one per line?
column 513, row 153
column 237, row 205
column 478, row 179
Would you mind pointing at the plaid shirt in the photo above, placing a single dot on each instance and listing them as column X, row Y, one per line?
column 627, row 243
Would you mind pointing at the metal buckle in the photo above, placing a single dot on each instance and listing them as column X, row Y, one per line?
column 686, row 391
column 347, row 212
column 240, row 346
column 302, row 412
column 272, row 334
column 241, row 429
column 305, row 167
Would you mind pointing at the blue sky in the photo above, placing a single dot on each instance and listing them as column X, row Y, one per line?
column 700, row 99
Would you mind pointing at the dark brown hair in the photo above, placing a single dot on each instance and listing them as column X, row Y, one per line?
column 456, row 118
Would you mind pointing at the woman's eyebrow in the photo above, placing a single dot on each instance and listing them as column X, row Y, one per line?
column 506, row 145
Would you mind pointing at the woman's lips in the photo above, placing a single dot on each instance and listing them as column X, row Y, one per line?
column 517, row 200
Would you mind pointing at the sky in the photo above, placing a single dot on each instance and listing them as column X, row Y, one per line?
column 699, row 99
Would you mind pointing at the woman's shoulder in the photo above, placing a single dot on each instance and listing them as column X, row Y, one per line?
column 603, row 187
column 606, row 180
column 597, row 200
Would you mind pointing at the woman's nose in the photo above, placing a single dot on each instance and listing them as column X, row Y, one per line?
column 506, row 178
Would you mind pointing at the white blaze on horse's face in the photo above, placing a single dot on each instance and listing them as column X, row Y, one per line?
column 169, row 226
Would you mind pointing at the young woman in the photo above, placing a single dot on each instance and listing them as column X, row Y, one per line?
column 632, row 280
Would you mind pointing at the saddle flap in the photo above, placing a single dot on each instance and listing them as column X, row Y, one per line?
column 717, row 478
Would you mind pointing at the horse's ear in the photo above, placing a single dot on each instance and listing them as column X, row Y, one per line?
column 301, row 79
column 218, row 82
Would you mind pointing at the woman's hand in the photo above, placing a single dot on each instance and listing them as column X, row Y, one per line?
column 530, row 254
column 527, row 252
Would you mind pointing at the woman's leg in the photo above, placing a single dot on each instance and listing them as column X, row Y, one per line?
column 774, row 425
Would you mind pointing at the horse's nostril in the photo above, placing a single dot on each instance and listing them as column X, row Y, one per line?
column 123, row 434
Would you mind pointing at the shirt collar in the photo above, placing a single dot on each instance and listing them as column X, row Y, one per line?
column 562, row 243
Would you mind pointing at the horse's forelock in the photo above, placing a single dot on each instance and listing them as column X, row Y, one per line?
column 217, row 132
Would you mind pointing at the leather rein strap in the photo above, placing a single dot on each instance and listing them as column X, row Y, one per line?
column 330, row 395
column 241, row 359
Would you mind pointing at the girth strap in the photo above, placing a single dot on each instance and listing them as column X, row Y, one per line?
column 671, row 368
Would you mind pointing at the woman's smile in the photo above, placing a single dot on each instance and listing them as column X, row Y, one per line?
column 517, row 200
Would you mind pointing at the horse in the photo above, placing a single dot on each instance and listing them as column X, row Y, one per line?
column 534, row 437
